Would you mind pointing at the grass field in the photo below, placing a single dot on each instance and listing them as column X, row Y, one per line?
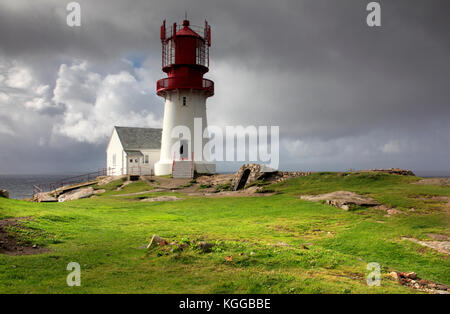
column 265, row 237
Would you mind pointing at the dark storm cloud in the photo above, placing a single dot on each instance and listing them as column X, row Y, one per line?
column 313, row 67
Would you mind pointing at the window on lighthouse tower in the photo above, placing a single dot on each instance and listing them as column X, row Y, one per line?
column 184, row 100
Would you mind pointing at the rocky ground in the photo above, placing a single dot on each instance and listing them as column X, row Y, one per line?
column 250, row 179
column 411, row 279
column 342, row 199
column 434, row 181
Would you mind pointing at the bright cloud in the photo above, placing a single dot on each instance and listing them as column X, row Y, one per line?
column 95, row 103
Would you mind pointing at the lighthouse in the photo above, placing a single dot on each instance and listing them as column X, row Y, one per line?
column 185, row 59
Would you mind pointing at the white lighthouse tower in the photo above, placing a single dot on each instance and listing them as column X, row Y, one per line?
column 185, row 59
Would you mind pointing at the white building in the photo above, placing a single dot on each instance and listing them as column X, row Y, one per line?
column 133, row 151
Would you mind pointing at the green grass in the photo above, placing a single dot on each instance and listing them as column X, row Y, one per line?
column 264, row 235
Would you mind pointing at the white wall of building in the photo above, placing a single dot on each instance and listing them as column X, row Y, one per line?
column 145, row 165
column 115, row 157
column 118, row 163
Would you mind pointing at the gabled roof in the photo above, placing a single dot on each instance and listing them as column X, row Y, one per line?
column 134, row 153
column 139, row 138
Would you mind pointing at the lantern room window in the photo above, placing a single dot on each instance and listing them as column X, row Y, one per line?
column 201, row 53
column 168, row 53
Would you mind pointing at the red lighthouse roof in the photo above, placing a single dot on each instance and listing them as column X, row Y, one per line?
column 186, row 30
column 185, row 58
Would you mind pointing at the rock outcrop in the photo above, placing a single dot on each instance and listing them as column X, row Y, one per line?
column 4, row 193
column 410, row 279
column 402, row 172
column 156, row 240
column 249, row 173
column 108, row 179
column 76, row 194
column 342, row 199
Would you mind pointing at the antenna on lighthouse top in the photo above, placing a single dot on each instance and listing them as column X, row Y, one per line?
column 185, row 21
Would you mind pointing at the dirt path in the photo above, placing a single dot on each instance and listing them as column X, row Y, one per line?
column 10, row 245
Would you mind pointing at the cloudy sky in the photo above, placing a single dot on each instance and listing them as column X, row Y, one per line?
column 345, row 95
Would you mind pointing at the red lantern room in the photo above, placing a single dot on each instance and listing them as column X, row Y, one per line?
column 185, row 58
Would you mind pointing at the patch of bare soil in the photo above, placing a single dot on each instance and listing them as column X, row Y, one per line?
column 342, row 199
column 10, row 245
column 389, row 211
column 434, row 181
column 164, row 198
column 253, row 191
column 139, row 193
column 167, row 183
column 442, row 245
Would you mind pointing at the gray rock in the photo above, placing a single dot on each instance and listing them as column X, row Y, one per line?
column 4, row 193
column 411, row 275
column 77, row 194
column 342, row 199
column 156, row 240
column 249, row 173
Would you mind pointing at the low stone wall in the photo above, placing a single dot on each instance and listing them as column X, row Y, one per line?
column 402, row 172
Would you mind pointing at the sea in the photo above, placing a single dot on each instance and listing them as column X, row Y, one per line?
column 21, row 186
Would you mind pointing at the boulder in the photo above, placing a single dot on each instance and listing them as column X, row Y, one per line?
column 250, row 173
column 76, row 194
column 156, row 240
column 395, row 276
column 4, row 193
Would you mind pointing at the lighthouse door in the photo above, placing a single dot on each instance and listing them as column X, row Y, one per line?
column 184, row 148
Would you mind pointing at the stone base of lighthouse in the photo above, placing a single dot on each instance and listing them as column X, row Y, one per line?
column 186, row 109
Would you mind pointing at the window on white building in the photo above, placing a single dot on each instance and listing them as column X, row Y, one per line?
column 114, row 159
column 146, row 160
column 184, row 100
